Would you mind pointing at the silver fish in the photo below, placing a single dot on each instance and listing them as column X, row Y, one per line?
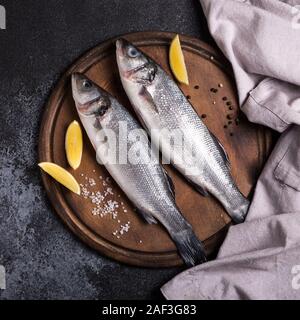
column 145, row 182
column 160, row 104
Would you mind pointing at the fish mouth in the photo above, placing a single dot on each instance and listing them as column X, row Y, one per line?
column 121, row 45
column 75, row 78
column 120, row 49
column 75, row 93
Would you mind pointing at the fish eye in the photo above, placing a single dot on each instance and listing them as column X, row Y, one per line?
column 87, row 84
column 132, row 52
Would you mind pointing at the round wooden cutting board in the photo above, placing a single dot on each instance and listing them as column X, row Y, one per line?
column 102, row 216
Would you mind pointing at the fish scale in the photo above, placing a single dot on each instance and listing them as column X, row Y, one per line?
column 145, row 183
column 160, row 104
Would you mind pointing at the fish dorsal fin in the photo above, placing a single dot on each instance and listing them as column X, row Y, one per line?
column 170, row 183
column 147, row 216
column 201, row 191
column 147, row 96
column 222, row 150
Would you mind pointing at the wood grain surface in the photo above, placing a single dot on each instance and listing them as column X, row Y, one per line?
column 212, row 93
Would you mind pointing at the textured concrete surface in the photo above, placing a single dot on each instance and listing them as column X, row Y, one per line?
column 43, row 260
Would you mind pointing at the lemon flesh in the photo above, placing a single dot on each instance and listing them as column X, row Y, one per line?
column 74, row 145
column 177, row 62
column 61, row 175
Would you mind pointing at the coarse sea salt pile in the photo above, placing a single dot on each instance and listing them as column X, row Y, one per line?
column 103, row 205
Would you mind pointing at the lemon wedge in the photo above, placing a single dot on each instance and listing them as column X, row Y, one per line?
column 74, row 145
column 61, row 175
column 177, row 62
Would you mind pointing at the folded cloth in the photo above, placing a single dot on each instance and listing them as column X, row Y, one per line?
column 260, row 259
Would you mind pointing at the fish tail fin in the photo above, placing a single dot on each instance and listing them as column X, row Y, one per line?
column 239, row 213
column 189, row 247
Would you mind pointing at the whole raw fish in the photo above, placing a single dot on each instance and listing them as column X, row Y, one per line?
column 161, row 105
column 144, row 182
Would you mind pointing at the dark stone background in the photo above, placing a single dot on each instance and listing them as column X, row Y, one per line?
column 42, row 258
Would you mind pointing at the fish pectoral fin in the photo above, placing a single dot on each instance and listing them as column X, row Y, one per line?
column 200, row 189
column 147, row 216
column 222, row 150
column 97, row 124
column 171, row 185
column 147, row 96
